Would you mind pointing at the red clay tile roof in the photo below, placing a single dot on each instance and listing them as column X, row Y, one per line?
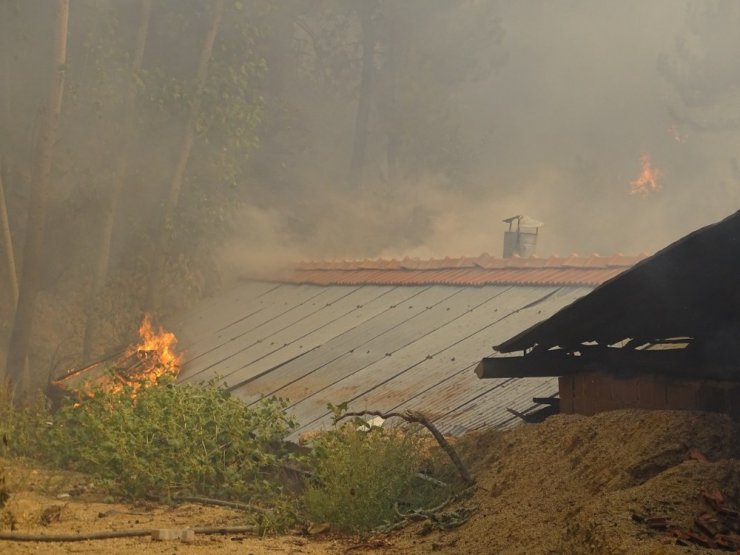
column 483, row 270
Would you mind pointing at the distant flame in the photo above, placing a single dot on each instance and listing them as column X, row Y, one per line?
column 647, row 181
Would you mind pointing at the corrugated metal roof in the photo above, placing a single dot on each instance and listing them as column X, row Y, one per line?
column 435, row 374
column 482, row 270
column 376, row 346
column 386, row 334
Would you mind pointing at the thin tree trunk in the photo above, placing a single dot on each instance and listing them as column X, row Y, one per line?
column 173, row 199
column 8, row 242
column 359, row 145
column 5, row 40
column 33, row 248
column 392, row 126
column 200, row 82
column 106, row 235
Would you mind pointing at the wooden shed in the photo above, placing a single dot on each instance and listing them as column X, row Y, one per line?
column 663, row 334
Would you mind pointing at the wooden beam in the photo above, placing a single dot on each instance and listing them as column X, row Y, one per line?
column 529, row 366
column 546, row 400
column 679, row 363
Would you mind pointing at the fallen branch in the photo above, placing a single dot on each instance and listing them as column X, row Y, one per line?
column 419, row 418
column 434, row 517
column 110, row 534
column 423, row 512
column 107, row 534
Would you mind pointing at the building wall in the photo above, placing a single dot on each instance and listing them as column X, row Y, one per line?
column 589, row 393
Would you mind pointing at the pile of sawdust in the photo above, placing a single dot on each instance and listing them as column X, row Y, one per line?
column 572, row 484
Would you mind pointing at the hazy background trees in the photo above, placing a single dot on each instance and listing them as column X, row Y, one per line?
column 202, row 140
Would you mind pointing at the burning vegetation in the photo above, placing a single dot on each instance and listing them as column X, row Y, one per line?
column 142, row 364
column 154, row 355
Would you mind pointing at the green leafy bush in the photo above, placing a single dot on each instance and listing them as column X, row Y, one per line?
column 360, row 473
column 189, row 440
column 21, row 427
column 172, row 439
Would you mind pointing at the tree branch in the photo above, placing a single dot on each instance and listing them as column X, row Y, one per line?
column 109, row 534
column 419, row 418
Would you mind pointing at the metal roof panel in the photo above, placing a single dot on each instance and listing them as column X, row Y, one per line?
column 282, row 310
column 424, row 319
column 357, row 343
column 383, row 347
column 464, row 338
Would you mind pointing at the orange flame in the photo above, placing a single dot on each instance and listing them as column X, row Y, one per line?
column 154, row 354
column 139, row 366
column 647, row 181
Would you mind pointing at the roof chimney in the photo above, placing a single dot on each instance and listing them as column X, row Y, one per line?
column 522, row 239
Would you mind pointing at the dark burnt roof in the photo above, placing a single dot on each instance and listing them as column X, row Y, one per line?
column 691, row 288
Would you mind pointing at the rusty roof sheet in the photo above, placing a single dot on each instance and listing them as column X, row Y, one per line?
column 477, row 271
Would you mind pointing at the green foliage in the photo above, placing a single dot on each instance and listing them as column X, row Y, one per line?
column 21, row 427
column 359, row 475
column 362, row 474
column 172, row 439
column 183, row 440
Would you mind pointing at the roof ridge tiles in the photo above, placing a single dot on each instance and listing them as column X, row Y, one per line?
column 464, row 270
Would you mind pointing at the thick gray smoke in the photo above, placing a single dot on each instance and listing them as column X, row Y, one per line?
column 582, row 91
column 345, row 129
column 588, row 88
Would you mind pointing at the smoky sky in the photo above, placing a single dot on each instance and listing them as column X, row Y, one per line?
column 585, row 90
column 581, row 90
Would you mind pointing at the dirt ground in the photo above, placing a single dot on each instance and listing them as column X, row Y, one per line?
column 572, row 484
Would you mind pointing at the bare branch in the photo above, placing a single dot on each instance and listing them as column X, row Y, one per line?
column 108, row 534
column 419, row 418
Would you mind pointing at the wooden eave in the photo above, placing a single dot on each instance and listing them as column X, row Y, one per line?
column 679, row 363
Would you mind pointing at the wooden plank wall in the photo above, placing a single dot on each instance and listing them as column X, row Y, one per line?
column 589, row 393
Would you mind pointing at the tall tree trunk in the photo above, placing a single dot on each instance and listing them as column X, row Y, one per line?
column 5, row 50
column 152, row 299
column 8, row 242
column 33, row 248
column 391, row 112
column 366, row 9
column 275, row 123
column 109, row 217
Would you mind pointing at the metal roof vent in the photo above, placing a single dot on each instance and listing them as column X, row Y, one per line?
column 522, row 240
